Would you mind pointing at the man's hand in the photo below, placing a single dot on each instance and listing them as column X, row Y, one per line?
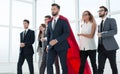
column 22, row 45
column 53, row 42
column 46, row 49
column 99, row 35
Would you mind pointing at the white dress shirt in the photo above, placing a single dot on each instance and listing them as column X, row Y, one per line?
column 55, row 19
column 104, row 19
column 25, row 31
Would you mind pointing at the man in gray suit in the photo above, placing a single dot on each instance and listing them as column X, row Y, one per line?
column 107, row 44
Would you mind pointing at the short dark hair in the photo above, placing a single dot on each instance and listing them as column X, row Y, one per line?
column 54, row 4
column 25, row 20
column 105, row 8
column 48, row 16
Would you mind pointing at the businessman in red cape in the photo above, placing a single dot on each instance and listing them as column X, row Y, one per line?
column 73, row 55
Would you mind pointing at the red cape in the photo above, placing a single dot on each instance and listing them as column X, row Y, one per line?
column 73, row 56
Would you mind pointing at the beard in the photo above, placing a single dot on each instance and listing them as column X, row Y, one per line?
column 54, row 14
column 102, row 15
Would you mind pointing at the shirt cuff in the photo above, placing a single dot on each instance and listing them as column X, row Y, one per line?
column 47, row 46
column 46, row 38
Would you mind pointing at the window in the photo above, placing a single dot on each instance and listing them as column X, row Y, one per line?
column 29, row 0
column 4, row 13
column 15, row 44
column 117, row 17
column 92, row 6
column 4, row 44
column 75, row 30
column 67, row 8
column 37, row 56
column 20, row 12
column 43, row 9
column 114, row 5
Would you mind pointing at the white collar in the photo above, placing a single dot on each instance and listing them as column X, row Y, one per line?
column 56, row 18
column 26, row 30
column 104, row 18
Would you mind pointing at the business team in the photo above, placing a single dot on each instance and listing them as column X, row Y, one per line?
column 54, row 42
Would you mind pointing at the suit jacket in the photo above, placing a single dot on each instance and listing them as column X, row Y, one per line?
column 109, row 30
column 42, row 45
column 60, row 32
column 28, row 40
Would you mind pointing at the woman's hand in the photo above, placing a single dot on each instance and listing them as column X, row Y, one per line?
column 79, row 34
column 42, row 39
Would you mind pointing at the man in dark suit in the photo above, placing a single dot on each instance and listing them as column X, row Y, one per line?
column 44, row 56
column 57, row 34
column 27, row 38
column 107, row 44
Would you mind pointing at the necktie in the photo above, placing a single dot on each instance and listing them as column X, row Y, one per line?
column 101, row 29
column 54, row 24
column 101, row 26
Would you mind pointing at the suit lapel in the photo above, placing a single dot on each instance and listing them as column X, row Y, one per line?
column 51, row 26
column 26, row 34
column 23, row 36
column 55, row 25
column 105, row 23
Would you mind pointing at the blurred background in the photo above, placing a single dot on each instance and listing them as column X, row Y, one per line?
column 13, row 12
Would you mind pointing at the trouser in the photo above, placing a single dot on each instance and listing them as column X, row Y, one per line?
column 43, row 64
column 83, row 58
column 21, row 60
column 51, row 57
column 102, row 56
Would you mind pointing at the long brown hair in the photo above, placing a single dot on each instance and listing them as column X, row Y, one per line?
column 40, row 32
column 91, row 19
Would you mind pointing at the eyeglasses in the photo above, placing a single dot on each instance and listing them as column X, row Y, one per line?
column 101, row 10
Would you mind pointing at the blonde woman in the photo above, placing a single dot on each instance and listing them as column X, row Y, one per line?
column 87, row 41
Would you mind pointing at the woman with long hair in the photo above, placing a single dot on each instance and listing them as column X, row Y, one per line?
column 41, row 43
column 87, row 41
